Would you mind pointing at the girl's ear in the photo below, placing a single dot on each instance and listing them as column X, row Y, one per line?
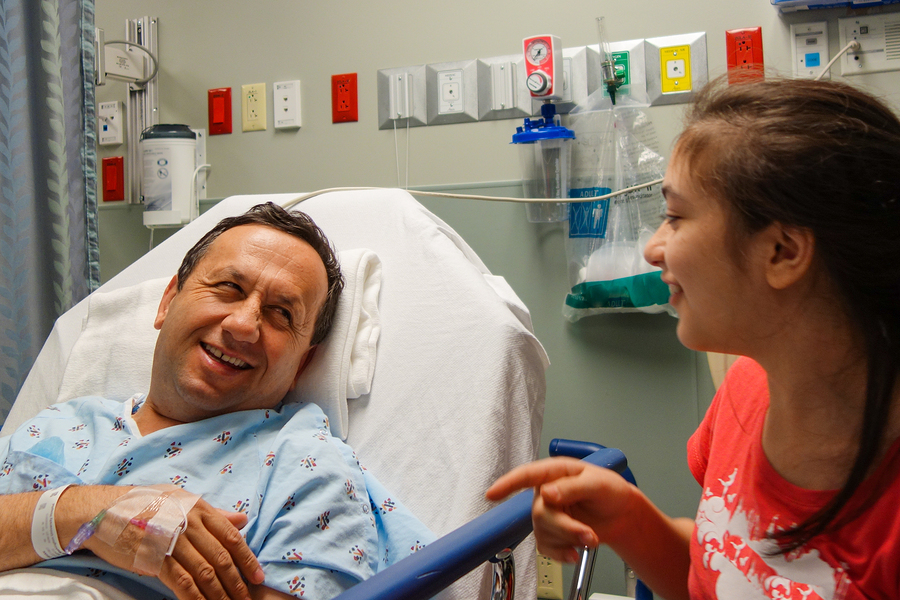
column 790, row 252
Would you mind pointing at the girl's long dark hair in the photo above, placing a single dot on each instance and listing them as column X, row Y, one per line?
column 823, row 156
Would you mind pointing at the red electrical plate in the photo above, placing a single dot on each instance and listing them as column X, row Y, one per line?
column 219, row 111
column 113, row 174
column 344, row 98
column 745, row 54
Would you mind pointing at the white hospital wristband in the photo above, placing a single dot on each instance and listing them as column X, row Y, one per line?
column 44, row 538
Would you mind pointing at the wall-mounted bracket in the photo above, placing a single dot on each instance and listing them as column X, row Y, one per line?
column 501, row 88
column 401, row 97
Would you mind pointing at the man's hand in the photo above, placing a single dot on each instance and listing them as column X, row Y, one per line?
column 209, row 558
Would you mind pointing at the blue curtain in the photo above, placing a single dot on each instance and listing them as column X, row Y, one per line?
column 49, row 257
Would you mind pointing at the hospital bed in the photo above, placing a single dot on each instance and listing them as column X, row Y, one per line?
column 432, row 374
column 490, row 537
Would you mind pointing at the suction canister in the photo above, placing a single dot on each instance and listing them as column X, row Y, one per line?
column 168, row 166
column 544, row 153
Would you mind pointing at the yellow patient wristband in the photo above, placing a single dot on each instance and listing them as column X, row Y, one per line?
column 44, row 538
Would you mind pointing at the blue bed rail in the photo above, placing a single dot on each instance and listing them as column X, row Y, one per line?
column 430, row 570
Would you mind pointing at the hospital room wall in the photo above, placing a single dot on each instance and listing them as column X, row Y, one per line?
column 621, row 380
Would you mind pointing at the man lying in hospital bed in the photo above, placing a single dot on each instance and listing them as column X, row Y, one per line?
column 238, row 325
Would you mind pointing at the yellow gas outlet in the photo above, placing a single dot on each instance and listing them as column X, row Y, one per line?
column 253, row 107
column 675, row 69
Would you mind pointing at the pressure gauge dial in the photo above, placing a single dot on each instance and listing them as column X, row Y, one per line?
column 537, row 52
column 538, row 83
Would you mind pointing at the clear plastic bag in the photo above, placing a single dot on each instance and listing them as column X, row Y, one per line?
column 614, row 148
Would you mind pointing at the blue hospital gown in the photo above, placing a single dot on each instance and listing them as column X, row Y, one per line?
column 318, row 521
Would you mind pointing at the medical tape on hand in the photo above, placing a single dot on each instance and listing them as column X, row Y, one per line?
column 44, row 538
column 146, row 523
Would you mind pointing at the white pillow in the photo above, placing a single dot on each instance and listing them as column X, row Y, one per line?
column 112, row 356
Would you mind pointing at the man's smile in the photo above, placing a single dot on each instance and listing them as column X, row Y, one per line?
column 221, row 357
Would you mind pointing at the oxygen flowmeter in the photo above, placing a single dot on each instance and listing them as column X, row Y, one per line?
column 544, row 67
column 610, row 75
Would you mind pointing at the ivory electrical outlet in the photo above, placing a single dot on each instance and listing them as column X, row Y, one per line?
column 550, row 585
column 253, row 107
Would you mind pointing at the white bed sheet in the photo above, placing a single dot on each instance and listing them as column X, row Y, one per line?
column 458, row 388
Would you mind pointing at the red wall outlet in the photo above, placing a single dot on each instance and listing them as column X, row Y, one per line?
column 344, row 98
column 219, row 110
column 745, row 54
column 113, row 175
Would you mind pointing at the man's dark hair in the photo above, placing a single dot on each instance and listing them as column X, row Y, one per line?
column 295, row 223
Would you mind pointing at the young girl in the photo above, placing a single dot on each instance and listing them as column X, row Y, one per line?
column 781, row 244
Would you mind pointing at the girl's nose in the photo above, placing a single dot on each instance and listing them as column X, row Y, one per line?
column 654, row 251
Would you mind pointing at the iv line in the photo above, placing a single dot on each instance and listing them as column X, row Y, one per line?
column 299, row 199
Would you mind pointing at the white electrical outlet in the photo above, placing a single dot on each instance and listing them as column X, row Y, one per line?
column 286, row 104
column 110, row 123
column 253, row 107
column 549, row 573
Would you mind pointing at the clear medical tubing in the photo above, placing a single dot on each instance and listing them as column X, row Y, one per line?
column 430, row 570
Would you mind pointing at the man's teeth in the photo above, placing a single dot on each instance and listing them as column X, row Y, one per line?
column 225, row 358
column 674, row 289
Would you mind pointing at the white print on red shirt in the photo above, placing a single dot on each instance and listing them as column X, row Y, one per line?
column 745, row 567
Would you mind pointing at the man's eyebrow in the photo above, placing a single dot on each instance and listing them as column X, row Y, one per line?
column 228, row 272
column 288, row 299
column 282, row 298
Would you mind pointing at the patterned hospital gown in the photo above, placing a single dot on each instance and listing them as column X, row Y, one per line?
column 318, row 522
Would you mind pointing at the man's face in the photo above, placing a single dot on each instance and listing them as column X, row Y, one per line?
column 237, row 335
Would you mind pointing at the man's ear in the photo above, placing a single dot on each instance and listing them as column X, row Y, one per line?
column 167, row 296
column 790, row 252
column 304, row 362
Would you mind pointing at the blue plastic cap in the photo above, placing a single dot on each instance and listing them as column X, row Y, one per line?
column 535, row 130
